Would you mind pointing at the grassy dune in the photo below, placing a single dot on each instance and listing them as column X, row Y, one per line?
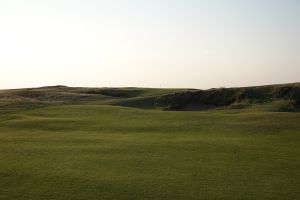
column 88, row 147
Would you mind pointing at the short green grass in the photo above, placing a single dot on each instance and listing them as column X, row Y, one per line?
column 75, row 152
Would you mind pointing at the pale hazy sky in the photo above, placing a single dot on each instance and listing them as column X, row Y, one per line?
column 149, row 43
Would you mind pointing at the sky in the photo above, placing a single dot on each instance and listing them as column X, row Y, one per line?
column 149, row 43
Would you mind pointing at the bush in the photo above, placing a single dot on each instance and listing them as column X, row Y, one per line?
column 285, row 105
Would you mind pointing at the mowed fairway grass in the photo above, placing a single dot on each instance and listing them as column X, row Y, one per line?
column 72, row 152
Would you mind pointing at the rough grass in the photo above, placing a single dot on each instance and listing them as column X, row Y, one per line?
column 287, row 94
column 167, row 99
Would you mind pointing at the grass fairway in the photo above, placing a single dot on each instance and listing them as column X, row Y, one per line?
column 109, row 152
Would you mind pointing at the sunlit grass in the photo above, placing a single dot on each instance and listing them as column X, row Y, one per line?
column 108, row 152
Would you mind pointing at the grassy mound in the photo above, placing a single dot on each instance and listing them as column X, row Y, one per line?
column 288, row 95
column 280, row 97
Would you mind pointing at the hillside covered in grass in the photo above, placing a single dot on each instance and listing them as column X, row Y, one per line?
column 284, row 97
column 65, row 143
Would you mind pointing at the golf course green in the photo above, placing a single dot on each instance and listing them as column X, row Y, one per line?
column 58, row 144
